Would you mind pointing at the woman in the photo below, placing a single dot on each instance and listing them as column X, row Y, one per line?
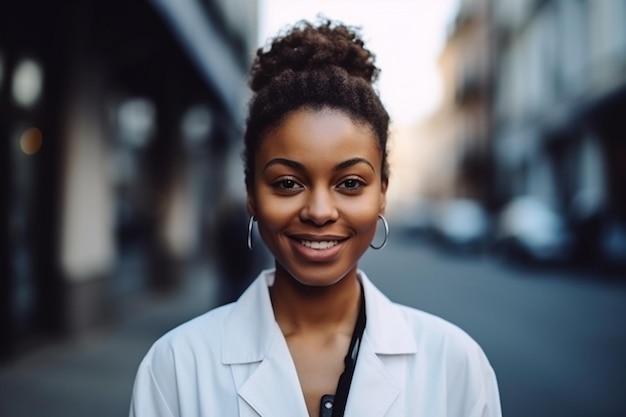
column 314, row 336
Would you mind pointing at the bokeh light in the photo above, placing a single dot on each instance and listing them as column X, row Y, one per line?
column 27, row 83
column 31, row 141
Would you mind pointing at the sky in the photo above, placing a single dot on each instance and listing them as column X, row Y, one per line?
column 405, row 35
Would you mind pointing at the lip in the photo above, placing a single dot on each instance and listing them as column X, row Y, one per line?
column 310, row 254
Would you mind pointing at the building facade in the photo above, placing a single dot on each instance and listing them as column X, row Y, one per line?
column 559, row 104
column 535, row 93
column 461, row 125
column 116, row 122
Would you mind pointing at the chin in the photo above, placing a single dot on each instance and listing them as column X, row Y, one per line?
column 316, row 276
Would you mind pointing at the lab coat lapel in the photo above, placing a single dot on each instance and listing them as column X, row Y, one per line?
column 259, row 357
column 374, row 387
column 273, row 389
column 380, row 371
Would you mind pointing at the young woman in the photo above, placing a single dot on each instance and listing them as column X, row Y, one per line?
column 313, row 336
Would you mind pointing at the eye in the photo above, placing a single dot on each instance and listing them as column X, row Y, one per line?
column 351, row 184
column 287, row 184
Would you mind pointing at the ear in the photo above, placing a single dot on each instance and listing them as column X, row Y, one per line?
column 383, row 196
column 250, row 203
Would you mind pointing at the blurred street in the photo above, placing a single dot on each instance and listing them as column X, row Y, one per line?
column 123, row 197
column 556, row 339
column 93, row 376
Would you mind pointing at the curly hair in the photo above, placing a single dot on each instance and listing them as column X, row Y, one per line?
column 313, row 67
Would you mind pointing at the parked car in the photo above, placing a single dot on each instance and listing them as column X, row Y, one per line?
column 461, row 224
column 528, row 229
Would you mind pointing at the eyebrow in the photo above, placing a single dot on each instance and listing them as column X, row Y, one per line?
column 298, row 166
column 354, row 161
column 284, row 161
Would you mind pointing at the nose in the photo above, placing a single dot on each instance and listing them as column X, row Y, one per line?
column 319, row 207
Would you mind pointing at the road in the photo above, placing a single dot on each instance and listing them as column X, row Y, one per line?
column 556, row 339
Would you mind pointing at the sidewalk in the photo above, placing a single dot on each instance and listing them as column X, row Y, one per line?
column 94, row 376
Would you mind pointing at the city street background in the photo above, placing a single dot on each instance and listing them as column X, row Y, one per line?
column 556, row 338
column 123, row 205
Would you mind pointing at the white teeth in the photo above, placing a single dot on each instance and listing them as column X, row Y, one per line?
column 319, row 244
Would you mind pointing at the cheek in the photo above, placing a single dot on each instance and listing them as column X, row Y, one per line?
column 362, row 215
column 274, row 213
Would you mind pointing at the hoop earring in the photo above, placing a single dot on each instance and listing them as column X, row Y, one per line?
column 250, row 225
column 386, row 226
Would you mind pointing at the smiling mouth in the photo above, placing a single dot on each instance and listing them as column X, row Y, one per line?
column 319, row 244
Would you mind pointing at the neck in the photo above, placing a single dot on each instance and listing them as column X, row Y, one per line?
column 299, row 308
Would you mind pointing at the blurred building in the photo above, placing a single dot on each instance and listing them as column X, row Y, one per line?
column 559, row 115
column 462, row 123
column 535, row 93
column 119, row 121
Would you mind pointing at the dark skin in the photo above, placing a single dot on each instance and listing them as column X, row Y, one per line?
column 318, row 191
column 318, row 336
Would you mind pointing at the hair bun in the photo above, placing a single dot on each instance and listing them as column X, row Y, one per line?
column 308, row 47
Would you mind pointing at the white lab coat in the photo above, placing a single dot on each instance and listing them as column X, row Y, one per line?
column 234, row 361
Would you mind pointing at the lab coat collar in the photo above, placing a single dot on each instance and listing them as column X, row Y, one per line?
column 252, row 336
column 251, row 326
column 386, row 330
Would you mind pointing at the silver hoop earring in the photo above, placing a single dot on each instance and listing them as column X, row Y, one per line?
column 250, row 225
column 386, row 226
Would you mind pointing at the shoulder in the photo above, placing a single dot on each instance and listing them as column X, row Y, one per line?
column 211, row 338
column 392, row 324
column 430, row 328
column 437, row 336
column 429, row 351
column 437, row 344
column 199, row 336
column 168, row 377
column 448, row 354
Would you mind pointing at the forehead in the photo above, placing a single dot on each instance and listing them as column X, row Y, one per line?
column 315, row 134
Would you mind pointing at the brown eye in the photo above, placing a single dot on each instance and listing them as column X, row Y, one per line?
column 351, row 184
column 287, row 185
